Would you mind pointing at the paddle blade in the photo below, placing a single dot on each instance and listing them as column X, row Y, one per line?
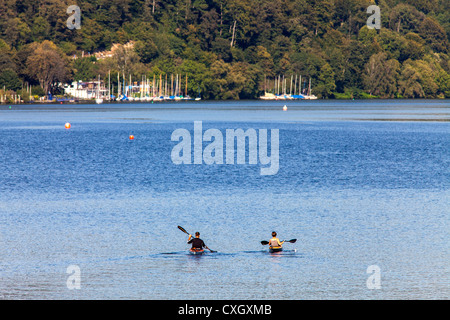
column 292, row 240
column 264, row 242
column 182, row 229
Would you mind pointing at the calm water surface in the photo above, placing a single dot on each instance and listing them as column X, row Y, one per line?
column 359, row 184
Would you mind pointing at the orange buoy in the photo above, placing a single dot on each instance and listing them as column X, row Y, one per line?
column 284, row 108
column 131, row 137
column 67, row 125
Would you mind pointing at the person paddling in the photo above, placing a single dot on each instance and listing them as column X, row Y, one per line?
column 197, row 243
column 275, row 243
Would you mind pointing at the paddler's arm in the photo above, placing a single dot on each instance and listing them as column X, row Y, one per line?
column 189, row 239
column 205, row 246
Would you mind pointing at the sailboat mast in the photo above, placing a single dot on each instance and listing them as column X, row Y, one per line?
column 300, row 85
column 295, row 85
column 123, row 80
column 109, row 85
column 165, row 87
column 309, row 89
column 278, row 89
column 290, row 87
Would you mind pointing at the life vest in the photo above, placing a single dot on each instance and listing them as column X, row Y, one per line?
column 274, row 243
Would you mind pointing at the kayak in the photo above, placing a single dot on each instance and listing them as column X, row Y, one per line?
column 275, row 249
column 196, row 251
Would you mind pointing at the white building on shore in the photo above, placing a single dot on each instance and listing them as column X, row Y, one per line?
column 85, row 90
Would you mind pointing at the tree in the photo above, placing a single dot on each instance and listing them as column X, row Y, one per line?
column 9, row 80
column 40, row 29
column 443, row 81
column 16, row 32
column 147, row 51
column 208, row 27
column 84, row 69
column 430, row 73
column 126, row 58
column 325, row 85
column 229, row 80
column 380, row 76
column 405, row 18
column 434, row 35
column 47, row 64
column 6, row 59
column 198, row 77
column 409, row 83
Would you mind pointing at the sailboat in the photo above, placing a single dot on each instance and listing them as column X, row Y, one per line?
column 98, row 100
column 198, row 97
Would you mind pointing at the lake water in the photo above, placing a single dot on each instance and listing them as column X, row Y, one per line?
column 360, row 184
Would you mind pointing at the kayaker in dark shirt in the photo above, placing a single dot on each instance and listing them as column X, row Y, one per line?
column 197, row 243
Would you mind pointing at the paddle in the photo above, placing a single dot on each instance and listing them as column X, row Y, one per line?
column 184, row 230
column 267, row 242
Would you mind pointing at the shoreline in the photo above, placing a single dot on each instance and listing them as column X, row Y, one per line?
column 90, row 101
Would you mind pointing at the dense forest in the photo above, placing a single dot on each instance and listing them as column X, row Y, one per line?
column 229, row 47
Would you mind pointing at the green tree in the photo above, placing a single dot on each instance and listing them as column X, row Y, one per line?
column 434, row 35
column 229, row 80
column 380, row 77
column 443, row 82
column 9, row 80
column 6, row 56
column 325, row 86
column 85, row 69
column 409, row 82
column 405, row 18
column 47, row 64
column 40, row 29
column 16, row 32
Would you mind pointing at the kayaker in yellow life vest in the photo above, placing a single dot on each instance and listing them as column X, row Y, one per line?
column 275, row 243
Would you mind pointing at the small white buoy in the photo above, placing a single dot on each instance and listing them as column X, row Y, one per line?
column 284, row 108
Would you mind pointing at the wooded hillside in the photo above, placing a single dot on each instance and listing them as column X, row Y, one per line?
column 228, row 47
